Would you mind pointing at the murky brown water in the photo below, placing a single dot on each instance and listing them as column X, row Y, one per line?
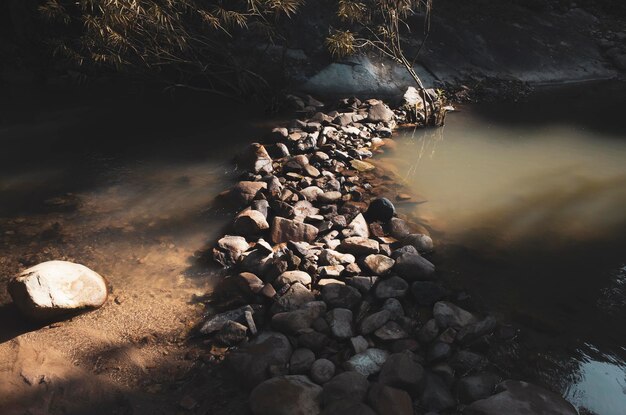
column 528, row 204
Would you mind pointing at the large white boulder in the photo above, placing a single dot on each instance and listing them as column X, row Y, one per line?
column 54, row 288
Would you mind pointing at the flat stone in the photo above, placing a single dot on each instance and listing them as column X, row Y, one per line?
column 362, row 166
column 368, row 362
column 329, row 197
column 358, row 245
column 286, row 395
column 391, row 287
column 54, row 288
column 378, row 264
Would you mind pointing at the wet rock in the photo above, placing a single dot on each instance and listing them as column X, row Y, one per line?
column 401, row 370
column 378, row 264
column 250, row 222
column 436, row 396
column 244, row 192
column 449, row 315
column 291, row 277
column 216, row 322
column 340, row 322
column 346, row 386
column 284, row 230
column 391, row 287
column 359, row 246
column 423, row 243
column 380, row 209
column 232, row 333
column 380, row 113
column 427, row 293
column 348, row 408
column 473, row 388
column 251, row 362
column 301, row 361
column 51, row 289
column 374, row 321
column 368, row 362
column 294, row 298
column 337, row 295
column 391, row 331
column 286, row 395
column 255, row 159
column 521, row 398
column 322, row 371
column 414, row 267
column 389, row 401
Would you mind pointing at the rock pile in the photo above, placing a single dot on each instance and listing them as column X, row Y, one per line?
column 335, row 306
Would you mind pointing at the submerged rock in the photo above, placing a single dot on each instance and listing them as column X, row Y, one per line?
column 54, row 288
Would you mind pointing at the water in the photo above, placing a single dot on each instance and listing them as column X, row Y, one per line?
column 527, row 203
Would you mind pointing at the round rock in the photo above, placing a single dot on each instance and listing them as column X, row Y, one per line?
column 322, row 371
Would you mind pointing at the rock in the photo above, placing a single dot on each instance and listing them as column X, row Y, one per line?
column 286, row 395
column 313, row 340
column 358, row 227
column 279, row 134
column 423, row 243
column 250, row 222
column 329, row 197
column 368, row 362
column 331, row 257
column 398, row 228
column 389, row 401
column 337, row 295
column 294, row 298
column 394, row 307
column 234, row 245
column 380, row 209
column 427, row 293
column 414, row 267
column 311, row 193
column 331, row 271
column 322, row 371
column 346, row 386
column 301, row 361
column 436, row 396
column 361, row 166
column 472, row 332
column 340, row 322
column 447, row 314
column 251, row 362
column 359, row 344
column 363, row 284
column 291, row 277
column 249, row 282
column 391, row 331
column 465, row 361
column 374, row 321
column 358, row 245
column 428, row 332
column 232, row 333
column 54, row 288
column 217, row 322
column 304, row 208
column 438, row 351
column 284, row 230
column 244, row 192
column 473, row 388
column 255, row 159
column 348, row 408
column 521, row 398
column 391, row 287
column 406, row 249
column 378, row 264
column 401, row 370
column 380, row 113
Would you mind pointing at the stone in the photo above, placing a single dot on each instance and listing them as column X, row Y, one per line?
column 346, row 386
column 428, row 332
column 472, row 332
column 232, row 333
column 368, row 362
column 313, row 340
column 251, row 362
column 304, row 208
column 391, row 287
column 284, row 230
column 244, row 192
column 414, row 267
column 401, row 370
column 362, row 166
column 329, row 197
column 391, row 331
column 359, row 344
column 255, row 159
column 447, row 314
column 358, row 245
column 250, row 222
column 330, row 271
column 294, row 298
column 311, row 193
column 380, row 113
column 438, row 351
column 394, row 307
column 473, row 388
column 436, row 396
column 216, row 322
column 234, row 245
column 521, row 398
column 340, row 322
column 291, row 277
column 427, row 293
column 380, row 209
column 465, row 361
column 348, row 408
column 363, row 284
column 378, row 264
column 374, row 321
column 406, row 249
column 421, row 242
column 332, row 257
column 326, row 281
column 54, row 288
column 398, row 228
column 322, row 371
column 286, row 395
column 389, row 401
column 358, row 227
column 337, row 295
column 301, row 361
column 249, row 282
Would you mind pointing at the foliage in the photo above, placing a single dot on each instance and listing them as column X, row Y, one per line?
column 187, row 42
